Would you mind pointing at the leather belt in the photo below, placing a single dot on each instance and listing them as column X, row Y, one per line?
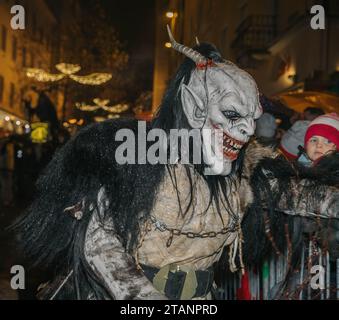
column 180, row 282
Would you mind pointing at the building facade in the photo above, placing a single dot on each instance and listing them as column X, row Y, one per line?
column 271, row 39
column 34, row 46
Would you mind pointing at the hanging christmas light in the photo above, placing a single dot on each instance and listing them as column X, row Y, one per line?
column 113, row 116
column 43, row 76
column 102, row 104
column 119, row 108
column 93, row 79
column 68, row 70
column 84, row 107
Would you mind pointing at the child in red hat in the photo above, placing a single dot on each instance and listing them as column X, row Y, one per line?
column 321, row 138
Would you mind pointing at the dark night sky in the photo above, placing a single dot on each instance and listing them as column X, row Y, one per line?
column 135, row 23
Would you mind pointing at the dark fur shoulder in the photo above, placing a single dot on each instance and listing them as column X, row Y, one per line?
column 325, row 172
column 76, row 173
column 262, row 217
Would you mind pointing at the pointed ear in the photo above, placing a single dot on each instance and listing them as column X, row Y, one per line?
column 193, row 107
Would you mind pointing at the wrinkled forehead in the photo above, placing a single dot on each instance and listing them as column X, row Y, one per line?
column 228, row 84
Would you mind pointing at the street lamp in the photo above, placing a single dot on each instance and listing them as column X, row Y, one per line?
column 171, row 14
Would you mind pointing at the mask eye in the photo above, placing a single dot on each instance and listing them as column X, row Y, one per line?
column 231, row 115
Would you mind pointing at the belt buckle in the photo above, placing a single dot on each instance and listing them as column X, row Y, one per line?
column 190, row 283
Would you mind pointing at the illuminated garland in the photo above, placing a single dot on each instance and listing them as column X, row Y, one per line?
column 84, row 107
column 43, row 76
column 102, row 104
column 118, row 108
column 93, row 79
column 68, row 70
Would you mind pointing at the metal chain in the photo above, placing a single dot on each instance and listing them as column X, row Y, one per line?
column 176, row 232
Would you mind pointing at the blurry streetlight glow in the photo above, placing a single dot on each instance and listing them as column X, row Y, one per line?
column 72, row 121
column 18, row 123
column 7, row 118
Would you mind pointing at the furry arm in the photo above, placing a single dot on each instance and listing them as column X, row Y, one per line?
column 310, row 200
column 279, row 186
column 113, row 265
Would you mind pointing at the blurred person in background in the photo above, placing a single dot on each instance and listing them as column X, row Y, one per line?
column 310, row 113
column 292, row 139
column 7, row 167
column 266, row 130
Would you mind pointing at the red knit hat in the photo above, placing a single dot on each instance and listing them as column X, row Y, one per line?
column 326, row 126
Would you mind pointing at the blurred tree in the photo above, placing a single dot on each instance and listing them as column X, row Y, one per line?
column 94, row 44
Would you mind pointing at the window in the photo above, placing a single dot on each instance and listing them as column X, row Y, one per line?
column 2, row 84
column 34, row 24
column 24, row 63
column 11, row 95
column 41, row 36
column 22, row 96
column 243, row 6
column 32, row 60
column 224, row 37
column 3, row 38
column 14, row 48
column 74, row 8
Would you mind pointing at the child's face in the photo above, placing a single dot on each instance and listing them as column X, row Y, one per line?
column 319, row 146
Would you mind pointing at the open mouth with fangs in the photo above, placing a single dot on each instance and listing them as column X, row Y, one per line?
column 231, row 146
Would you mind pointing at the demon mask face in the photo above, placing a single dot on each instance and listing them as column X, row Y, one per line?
column 221, row 100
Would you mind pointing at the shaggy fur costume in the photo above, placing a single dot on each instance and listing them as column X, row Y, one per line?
column 70, row 207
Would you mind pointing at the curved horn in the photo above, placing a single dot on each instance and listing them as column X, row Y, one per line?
column 197, row 41
column 188, row 52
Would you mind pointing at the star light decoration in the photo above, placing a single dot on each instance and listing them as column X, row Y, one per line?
column 102, row 104
column 68, row 71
